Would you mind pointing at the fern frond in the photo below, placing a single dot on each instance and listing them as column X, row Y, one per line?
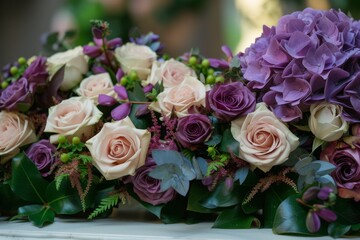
column 85, row 159
column 105, row 204
column 59, row 179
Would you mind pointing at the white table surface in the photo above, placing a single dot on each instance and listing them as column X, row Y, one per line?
column 131, row 225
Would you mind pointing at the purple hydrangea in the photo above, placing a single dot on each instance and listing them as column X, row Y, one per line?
column 290, row 64
column 231, row 100
column 149, row 189
column 42, row 154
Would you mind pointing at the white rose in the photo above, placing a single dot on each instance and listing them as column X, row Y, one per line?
column 15, row 131
column 119, row 148
column 75, row 66
column 135, row 57
column 190, row 93
column 264, row 140
column 75, row 116
column 95, row 85
column 326, row 122
column 171, row 73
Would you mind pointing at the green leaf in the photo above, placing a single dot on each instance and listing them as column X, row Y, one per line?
column 46, row 215
column 26, row 180
column 223, row 197
column 336, row 230
column 347, row 211
column 140, row 123
column 64, row 200
column 174, row 211
column 229, row 144
column 137, row 94
column 197, row 193
column 9, row 202
column 234, row 218
column 273, row 198
column 290, row 218
column 235, row 62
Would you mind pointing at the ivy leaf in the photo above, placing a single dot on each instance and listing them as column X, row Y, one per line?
column 235, row 218
column 63, row 200
column 9, row 202
column 273, row 198
column 26, row 180
column 290, row 218
column 140, row 123
column 197, row 193
column 347, row 211
column 46, row 215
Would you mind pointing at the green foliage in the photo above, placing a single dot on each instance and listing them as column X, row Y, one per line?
column 58, row 180
column 105, row 204
column 235, row 218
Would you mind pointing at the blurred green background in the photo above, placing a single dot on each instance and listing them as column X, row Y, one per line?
column 181, row 24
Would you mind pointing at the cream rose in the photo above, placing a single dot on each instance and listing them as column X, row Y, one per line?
column 326, row 123
column 75, row 116
column 190, row 93
column 264, row 140
column 94, row 85
column 15, row 131
column 75, row 66
column 135, row 57
column 119, row 148
column 171, row 73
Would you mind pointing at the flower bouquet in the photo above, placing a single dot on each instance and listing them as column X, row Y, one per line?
column 267, row 138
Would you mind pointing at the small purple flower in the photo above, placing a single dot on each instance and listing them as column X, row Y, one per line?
column 36, row 73
column 149, row 189
column 193, row 130
column 231, row 100
column 42, row 154
column 313, row 222
column 16, row 96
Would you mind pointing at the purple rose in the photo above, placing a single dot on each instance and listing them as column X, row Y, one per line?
column 36, row 73
column 42, row 155
column 347, row 172
column 229, row 101
column 193, row 130
column 149, row 189
column 16, row 94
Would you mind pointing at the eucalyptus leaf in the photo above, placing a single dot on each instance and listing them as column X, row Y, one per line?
column 200, row 166
column 214, row 140
column 235, row 62
column 241, row 174
column 26, row 181
column 336, row 230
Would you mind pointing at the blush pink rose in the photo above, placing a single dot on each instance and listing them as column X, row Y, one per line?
column 119, row 148
column 171, row 73
column 75, row 116
column 264, row 140
column 95, row 85
column 190, row 93
column 15, row 131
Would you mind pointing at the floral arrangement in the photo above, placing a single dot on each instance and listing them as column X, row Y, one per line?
column 266, row 138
